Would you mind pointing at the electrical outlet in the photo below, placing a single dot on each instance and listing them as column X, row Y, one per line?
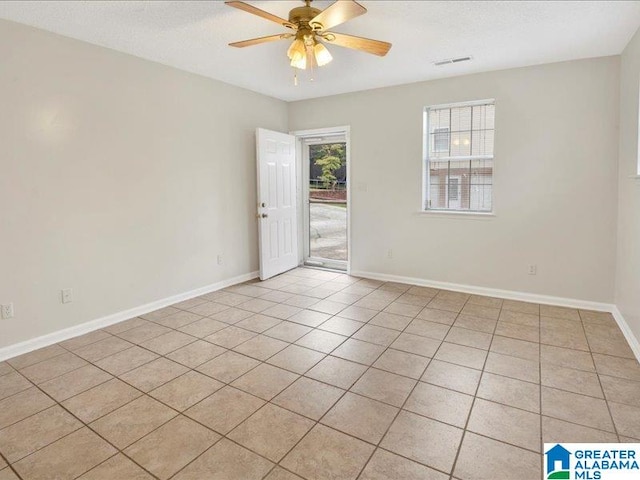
column 220, row 259
column 7, row 311
column 533, row 270
column 66, row 295
column 390, row 253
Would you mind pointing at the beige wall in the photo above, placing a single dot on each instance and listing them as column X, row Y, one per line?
column 124, row 179
column 628, row 264
column 555, row 180
column 120, row 178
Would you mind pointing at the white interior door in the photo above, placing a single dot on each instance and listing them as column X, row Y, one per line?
column 277, row 215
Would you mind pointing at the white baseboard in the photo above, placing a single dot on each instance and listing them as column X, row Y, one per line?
column 67, row 333
column 513, row 295
column 490, row 292
column 626, row 330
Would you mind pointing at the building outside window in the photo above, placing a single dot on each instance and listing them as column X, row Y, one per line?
column 458, row 164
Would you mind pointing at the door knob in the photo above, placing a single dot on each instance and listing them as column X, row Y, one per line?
column 264, row 215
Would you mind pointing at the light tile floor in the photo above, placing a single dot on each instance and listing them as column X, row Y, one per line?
column 319, row 375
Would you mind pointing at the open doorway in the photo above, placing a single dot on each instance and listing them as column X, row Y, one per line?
column 324, row 157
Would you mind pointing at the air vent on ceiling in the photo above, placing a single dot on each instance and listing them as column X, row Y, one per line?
column 451, row 60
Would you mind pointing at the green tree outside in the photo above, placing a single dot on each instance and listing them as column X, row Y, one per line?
column 329, row 157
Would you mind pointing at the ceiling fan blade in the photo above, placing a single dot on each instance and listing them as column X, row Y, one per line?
column 376, row 47
column 260, row 13
column 337, row 13
column 258, row 41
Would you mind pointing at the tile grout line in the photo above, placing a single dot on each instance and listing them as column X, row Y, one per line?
column 112, row 457
column 119, row 450
column 473, row 402
column 194, row 368
column 370, row 366
column 442, row 341
column 181, row 413
column 345, row 391
column 276, row 464
column 604, row 395
column 301, row 375
column 10, row 466
column 252, row 331
column 266, row 402
column 144, row 393
column 87, row 425
column 400, row 409
column 348, row 390
column 540, row 393
column 84, row 425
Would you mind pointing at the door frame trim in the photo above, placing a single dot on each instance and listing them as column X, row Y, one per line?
column 315, row 132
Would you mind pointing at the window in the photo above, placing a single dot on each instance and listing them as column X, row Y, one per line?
column 459, row 157
column 441, row 139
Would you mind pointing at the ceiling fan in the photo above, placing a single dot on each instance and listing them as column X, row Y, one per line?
column 310, row 29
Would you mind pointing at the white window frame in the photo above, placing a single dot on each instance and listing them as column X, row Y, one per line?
column 426, row 186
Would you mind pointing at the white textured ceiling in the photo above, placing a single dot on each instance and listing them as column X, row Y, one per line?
column 193, row 36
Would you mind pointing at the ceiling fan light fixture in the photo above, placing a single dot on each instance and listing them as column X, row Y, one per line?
column 296, row 48
column 309, row 25
column 322, row 54
column 299, row 62
column 297, row 54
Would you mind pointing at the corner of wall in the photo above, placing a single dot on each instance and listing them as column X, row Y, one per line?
column 627, row 267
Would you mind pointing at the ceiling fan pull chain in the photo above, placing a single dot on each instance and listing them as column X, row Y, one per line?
column 295, row 77
column 311, row 58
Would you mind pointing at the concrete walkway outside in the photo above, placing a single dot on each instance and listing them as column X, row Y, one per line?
column 328, row 231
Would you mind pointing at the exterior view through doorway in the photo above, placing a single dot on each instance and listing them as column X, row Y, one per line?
column 324, row 158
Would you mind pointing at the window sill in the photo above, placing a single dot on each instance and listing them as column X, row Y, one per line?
column 635, row 177
column 455, row 214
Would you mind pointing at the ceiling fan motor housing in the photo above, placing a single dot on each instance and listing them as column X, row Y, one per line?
column 301, row 16
column 310, row 27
